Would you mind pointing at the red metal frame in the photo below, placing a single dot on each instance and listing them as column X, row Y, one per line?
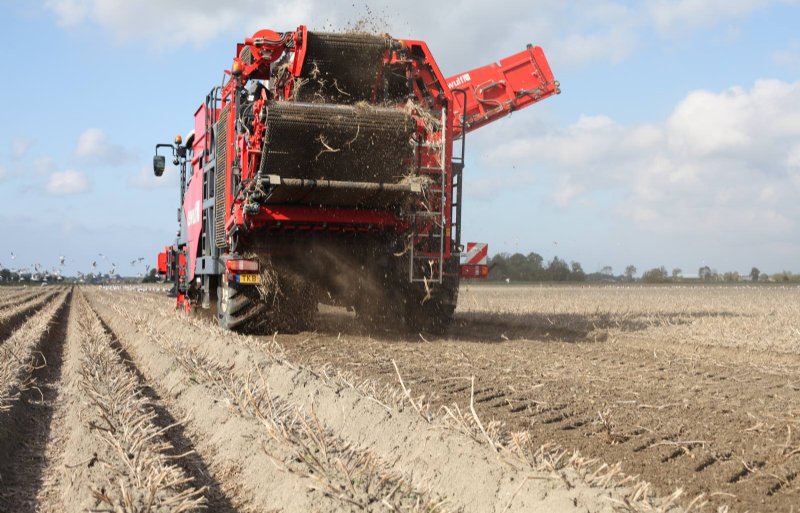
column 493, row 91
column 282, row 215
column 425, row 69
column 498, row 89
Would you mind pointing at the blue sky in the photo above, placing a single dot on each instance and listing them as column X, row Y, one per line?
column 676, row 140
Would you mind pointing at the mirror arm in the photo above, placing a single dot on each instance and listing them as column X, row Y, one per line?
column 165, row 146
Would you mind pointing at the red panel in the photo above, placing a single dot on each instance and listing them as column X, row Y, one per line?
column 474, row 271
column 497, row 89
column 162, row 263
column 193, row 212
column 303, row 215
column 199, row 128
column 300, row 50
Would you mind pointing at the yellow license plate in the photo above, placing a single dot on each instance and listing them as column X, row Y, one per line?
column 249, row 278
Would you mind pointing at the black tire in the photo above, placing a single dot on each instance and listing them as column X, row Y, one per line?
column 433, row 316
column 239, row 307
column 431, row 311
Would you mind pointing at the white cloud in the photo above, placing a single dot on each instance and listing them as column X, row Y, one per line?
column 706, row 123
column 613, row 46
column 482, row 189
column 69, row 12
column 793, row 160
column 145, row 179
column 91, row 144
column 3, row 173
column 583, row 33
column 574, row 33
column 174, row 22
column 67, row 183
column 44, row 165
column 566, row 192
column 723, row 164
column 93, row 147
column 788, row 57
column 751, row 124
column 20, row 146
column 671, row 15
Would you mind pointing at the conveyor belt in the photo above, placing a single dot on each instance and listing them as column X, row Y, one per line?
column 341, row 68
column 357, row 143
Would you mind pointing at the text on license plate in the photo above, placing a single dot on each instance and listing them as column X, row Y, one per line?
column 248, row 278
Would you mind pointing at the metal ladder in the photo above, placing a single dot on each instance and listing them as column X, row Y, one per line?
column 428, row 246
column 457, row 169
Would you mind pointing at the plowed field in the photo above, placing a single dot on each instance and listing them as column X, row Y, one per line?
column 538, row 399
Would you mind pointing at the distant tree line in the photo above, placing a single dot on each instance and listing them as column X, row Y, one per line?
column 533, row 268
column 706, row 274
column 519, row 267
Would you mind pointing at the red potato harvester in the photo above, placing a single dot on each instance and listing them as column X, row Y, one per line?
column 329, row 167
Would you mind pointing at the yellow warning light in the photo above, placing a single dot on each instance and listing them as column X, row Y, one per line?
column 178, row 139
column 237, row 68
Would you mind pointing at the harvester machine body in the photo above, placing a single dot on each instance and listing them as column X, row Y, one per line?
column 324, row 168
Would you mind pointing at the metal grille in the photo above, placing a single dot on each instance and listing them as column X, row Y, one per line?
column 337, row 142
column 246, row 56
column 341, row 67
column 219, row 178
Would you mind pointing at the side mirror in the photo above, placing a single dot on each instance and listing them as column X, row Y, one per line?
column 159, row 163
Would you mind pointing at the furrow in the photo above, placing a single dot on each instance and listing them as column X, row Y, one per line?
column 13, row 316
column 18, row 357
column 115, row 458
column 26, row 422
column 280, row 448
column 438, row 454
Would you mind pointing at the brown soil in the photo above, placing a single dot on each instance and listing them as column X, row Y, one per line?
column 25, row 429
column 316, row 421
column 427, row 463
column 718, row 421
column 20, row 308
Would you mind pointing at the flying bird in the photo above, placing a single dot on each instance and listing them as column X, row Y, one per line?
column 61, row 259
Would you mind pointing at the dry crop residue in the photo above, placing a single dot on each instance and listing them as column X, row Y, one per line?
column 694, row 388
column 353, row 447
column 691, row 388
column 30, row 367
